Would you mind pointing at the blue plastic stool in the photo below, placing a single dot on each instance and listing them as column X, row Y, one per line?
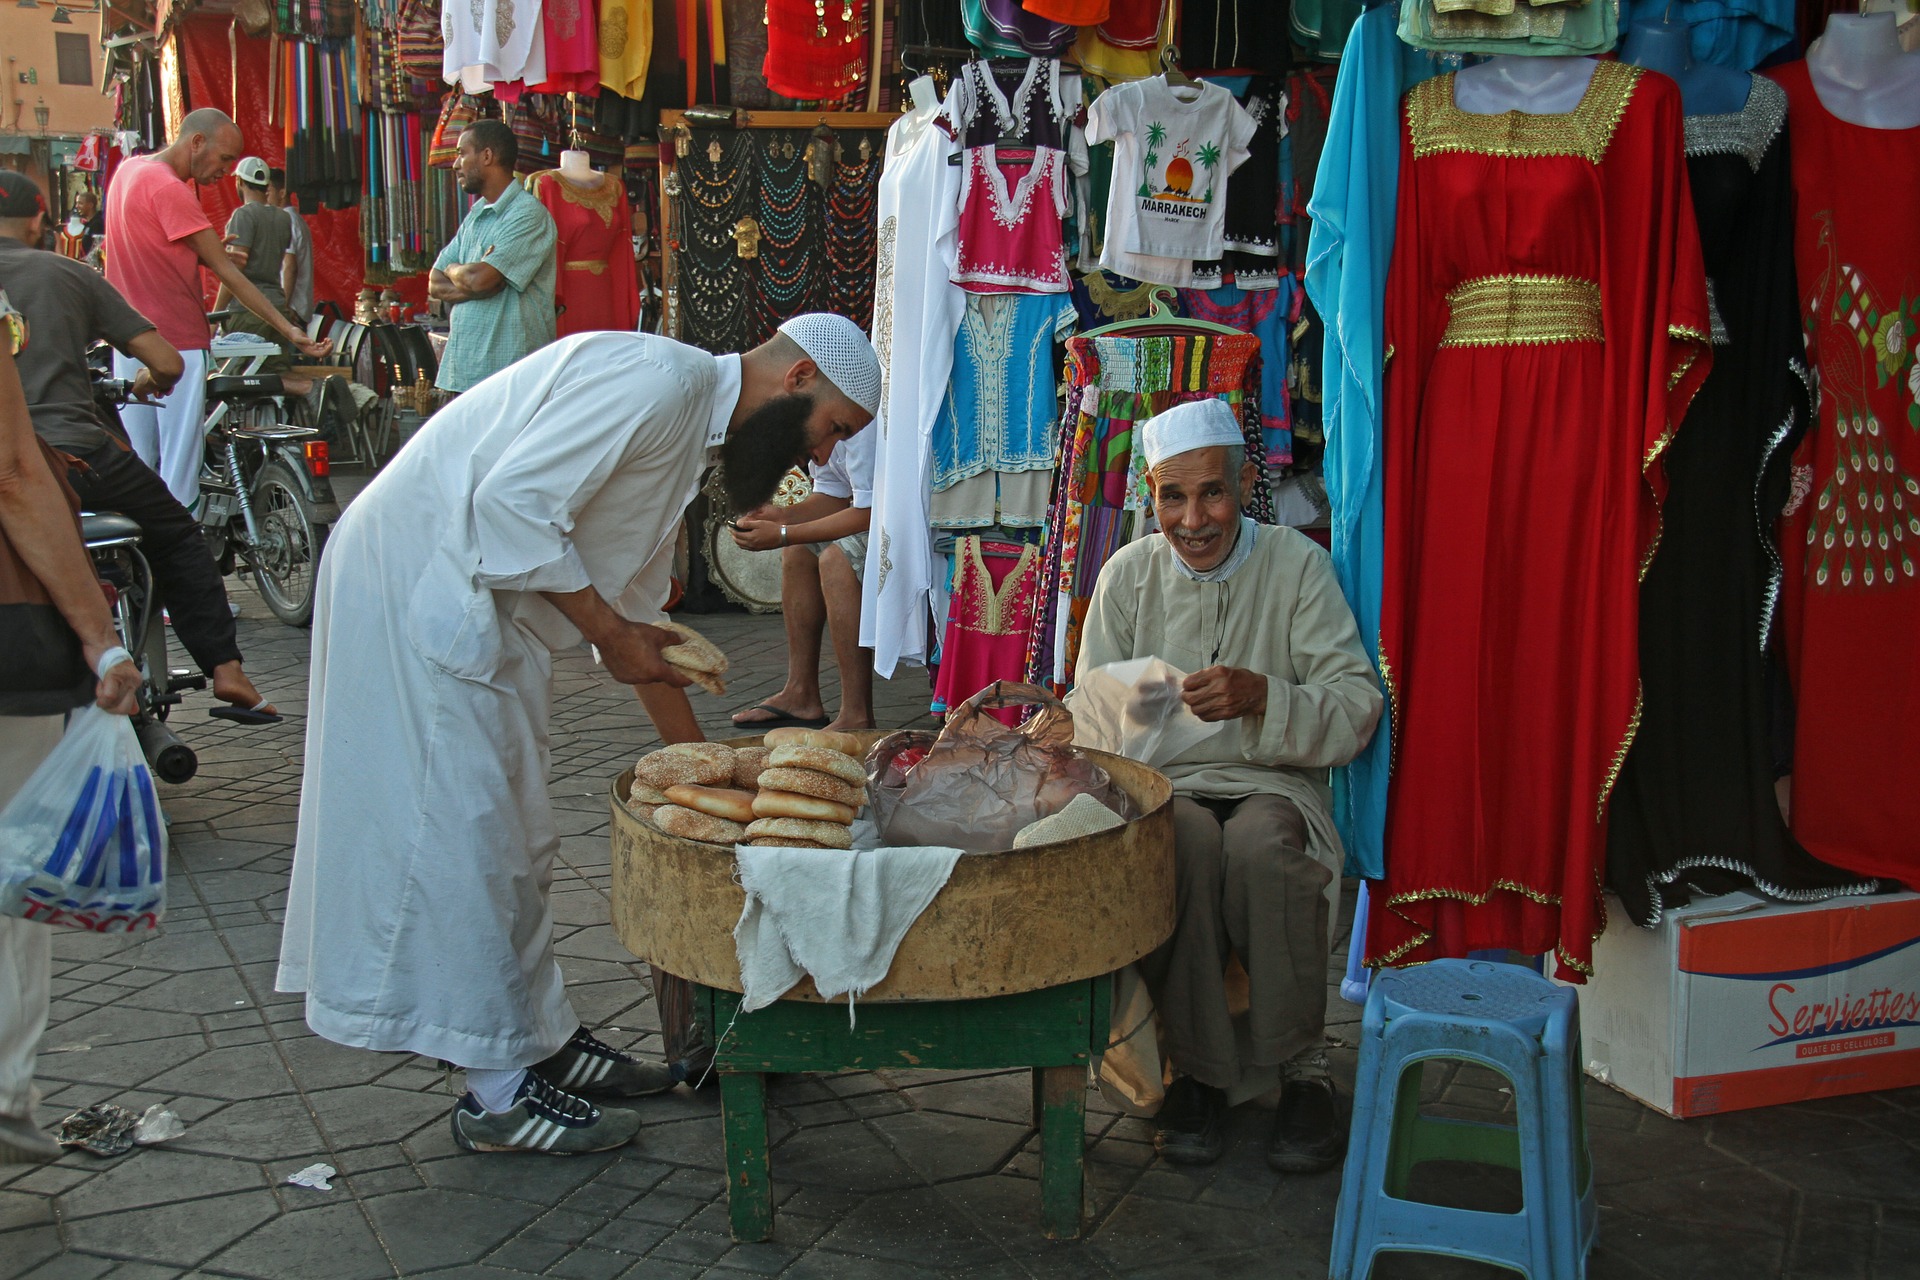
column 1512, row 1021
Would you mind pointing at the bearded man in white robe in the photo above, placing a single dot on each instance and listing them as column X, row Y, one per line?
column 537, row 512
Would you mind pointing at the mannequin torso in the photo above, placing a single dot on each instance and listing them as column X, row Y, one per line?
column 1706, row 89
column 1539, row 86
column 1862, row 74
column 577, row 172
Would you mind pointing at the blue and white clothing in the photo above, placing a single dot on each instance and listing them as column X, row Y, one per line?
column 999, row 412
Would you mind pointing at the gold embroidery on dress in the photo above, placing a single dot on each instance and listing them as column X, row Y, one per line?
column 1619, row 757
column 1523, row 310
column 595, row 265
column 1393, row 707
column 613, row 32
column 987, row 610
column 603, row 199
column 1438, row 125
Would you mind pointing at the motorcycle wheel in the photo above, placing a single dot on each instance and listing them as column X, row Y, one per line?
column 287, row 557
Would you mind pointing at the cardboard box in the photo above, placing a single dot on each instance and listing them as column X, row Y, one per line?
column 1738, row 1002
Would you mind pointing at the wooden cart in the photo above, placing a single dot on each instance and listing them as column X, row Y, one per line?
column 1009, row 966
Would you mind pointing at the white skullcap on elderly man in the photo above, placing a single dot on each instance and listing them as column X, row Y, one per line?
column 841, row 351
column 1197, row 424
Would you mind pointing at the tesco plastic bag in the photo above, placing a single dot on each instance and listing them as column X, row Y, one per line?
column 980, row 783
column 82, row 844
column 1133, row 709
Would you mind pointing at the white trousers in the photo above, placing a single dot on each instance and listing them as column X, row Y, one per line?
column 26, row 948
column 169, row 436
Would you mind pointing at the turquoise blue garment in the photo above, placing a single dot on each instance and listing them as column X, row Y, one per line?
column 1734, row 33
column 999, row 413
column 1348, row 249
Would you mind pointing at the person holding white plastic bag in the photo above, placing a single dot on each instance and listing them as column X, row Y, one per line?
column 42, row 550
column 1255, row 613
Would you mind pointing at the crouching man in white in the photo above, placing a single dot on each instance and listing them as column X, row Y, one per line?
column 1257, row 615
column 538, row 510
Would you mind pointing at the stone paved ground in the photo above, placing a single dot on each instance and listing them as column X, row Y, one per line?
column 894, row 1174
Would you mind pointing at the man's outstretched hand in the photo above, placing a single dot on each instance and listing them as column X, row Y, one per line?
column 631, row 654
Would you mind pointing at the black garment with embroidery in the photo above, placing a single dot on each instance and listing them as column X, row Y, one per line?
column 1694, row 808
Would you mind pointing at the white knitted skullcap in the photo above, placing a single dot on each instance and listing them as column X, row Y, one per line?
column 1197, row 424
column 842, row 352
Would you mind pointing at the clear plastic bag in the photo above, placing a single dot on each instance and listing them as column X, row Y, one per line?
column 980, row 783
column 82, row 844
column 1133, row 709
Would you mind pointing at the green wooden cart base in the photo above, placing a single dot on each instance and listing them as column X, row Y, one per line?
column 1057, row 1032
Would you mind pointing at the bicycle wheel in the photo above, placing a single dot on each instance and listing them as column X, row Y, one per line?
column 287, row 555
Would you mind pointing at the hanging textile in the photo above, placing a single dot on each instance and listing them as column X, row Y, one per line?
column 1003, row 27
column 816, row 49
column 1351, row 242
column 1547, row 314
column 626, row 44
column 1852, row 532
column 1694, row 810
column 915, row 315
column 991, row 613
column 1741, row 35
column 1114, row 382
column 570, row 43
column 1267, row 315
column 596, row 285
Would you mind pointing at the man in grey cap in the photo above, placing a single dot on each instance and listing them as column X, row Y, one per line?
column 536, row 512
column 259, row 237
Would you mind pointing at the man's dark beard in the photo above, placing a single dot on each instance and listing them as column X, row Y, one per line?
column 757, row 455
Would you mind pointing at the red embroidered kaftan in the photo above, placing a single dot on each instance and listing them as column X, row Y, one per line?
column 596, row 286
column 1852, row 544
column 1546, row 322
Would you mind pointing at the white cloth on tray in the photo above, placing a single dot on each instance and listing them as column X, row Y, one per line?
column 837, row 915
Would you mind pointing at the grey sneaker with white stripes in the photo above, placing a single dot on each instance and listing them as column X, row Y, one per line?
column 589, row 1067
column 542, row 1119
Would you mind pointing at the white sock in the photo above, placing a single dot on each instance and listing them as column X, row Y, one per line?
column 494, row 1090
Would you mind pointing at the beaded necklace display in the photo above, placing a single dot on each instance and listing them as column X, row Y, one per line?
column 789, row 209
column 850, row 233
column 716, row 182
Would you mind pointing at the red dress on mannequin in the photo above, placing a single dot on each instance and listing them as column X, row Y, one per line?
column 1852, row 533
column 1547, row 324
column 596, row 286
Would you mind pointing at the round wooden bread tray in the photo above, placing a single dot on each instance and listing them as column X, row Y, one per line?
column 1005, row 922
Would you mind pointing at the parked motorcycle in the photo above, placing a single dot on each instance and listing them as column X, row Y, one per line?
column 266, row 496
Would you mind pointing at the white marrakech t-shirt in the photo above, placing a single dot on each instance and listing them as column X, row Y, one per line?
column 1173, row 150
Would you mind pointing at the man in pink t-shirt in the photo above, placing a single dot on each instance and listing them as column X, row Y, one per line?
column 158, row 238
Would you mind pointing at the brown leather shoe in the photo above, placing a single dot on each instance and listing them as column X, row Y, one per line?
column 1310, row 1129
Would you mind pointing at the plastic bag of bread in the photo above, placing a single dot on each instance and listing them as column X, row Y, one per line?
column 980, row 783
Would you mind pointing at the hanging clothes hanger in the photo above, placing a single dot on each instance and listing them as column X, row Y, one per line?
column 1170, row 68
column 1159, row 321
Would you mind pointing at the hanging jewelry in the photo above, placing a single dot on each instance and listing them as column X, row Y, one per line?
column 789, row 208
column 851, row 234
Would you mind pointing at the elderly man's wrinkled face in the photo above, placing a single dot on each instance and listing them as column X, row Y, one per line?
column 1196, row 497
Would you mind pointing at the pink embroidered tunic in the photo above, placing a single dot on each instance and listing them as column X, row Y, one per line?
column 1012, row 203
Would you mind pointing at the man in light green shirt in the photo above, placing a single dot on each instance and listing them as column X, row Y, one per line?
column 1256, row 614
column 496, row 275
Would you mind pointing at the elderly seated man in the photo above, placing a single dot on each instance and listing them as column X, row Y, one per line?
column 1254, row 612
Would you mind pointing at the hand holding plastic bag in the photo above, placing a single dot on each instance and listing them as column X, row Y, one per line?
column 82, row 844
column 1133, row 709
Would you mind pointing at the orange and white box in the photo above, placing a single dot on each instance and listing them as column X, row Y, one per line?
column 1738, row 1002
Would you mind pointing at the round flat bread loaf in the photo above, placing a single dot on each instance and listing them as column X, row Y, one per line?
column 748, row 764
column 639, row 792
column 811, row 782
column 702, row 763
column 786, row 804
column 826, row 739
column 721, row 802
column 694, row 652
column 691, row 825
column 827, row 835
column 640, row 809
column 843, row 767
